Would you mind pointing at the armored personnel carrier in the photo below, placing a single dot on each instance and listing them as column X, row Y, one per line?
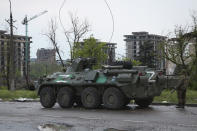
column 112, row 86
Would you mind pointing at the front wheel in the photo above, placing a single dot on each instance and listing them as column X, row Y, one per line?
column 47, row 97
column 145, row 102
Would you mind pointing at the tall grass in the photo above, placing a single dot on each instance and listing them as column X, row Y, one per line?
column 168, row 96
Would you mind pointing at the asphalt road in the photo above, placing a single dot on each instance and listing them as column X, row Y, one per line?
column 30, row 116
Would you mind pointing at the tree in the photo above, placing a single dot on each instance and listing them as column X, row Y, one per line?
column 175, row 51
column 134, row 62
column 51, row 34
column 41, row 69
column 91, row 48
column 76, row 32
column 193, row 38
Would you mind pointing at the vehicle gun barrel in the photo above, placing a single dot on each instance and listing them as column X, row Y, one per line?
column 116, row 71
column 112, row 67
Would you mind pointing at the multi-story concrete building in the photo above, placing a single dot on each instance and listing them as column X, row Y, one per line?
column 134, row 41
column 20, row 53
column 46, row 55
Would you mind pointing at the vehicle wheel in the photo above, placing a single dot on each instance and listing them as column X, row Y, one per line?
column 65, row 97
column 113, row 98
column 144, row 102
column 47, row 97
column 90, row 98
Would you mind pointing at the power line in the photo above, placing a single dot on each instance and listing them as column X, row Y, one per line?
column 113, row 23
column 112, row 33
column 62, row 5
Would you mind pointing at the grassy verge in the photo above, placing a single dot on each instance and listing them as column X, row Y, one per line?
column 172, row 97
column 10, row 95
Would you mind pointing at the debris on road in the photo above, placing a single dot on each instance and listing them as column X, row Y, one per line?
column 21, row 99
column 55, row 127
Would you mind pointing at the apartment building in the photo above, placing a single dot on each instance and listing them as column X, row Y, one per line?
column 20, row 53
column 138, row 39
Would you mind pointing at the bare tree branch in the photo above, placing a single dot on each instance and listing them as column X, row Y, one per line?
column 78, row 30
column 51, row 34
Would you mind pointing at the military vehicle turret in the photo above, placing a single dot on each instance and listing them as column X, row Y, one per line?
column 112, row 86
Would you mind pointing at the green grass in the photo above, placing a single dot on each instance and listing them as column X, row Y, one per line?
column 10, row 95
column 191, row 97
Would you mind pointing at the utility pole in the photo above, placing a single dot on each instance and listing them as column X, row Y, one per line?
column 11, row 56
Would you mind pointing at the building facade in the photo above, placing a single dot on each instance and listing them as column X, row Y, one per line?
column 138, row 39
column 20, row 53
column 46, row 55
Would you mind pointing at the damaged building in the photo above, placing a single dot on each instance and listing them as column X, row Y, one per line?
column 20, row 53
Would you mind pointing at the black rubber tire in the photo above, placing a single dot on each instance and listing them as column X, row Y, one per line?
column 144, row 102
column 47, row 97
column 65, row 97
column 90, row 98
column 113, row 98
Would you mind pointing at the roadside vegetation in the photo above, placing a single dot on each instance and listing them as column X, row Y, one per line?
column 41, row 69
column 168, row 96
column 5, row 94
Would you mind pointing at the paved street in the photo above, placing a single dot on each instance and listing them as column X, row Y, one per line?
column 18, row 116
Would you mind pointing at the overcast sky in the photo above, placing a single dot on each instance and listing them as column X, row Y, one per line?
column 153, row 16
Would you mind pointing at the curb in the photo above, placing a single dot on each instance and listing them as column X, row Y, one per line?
column 171, row 104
